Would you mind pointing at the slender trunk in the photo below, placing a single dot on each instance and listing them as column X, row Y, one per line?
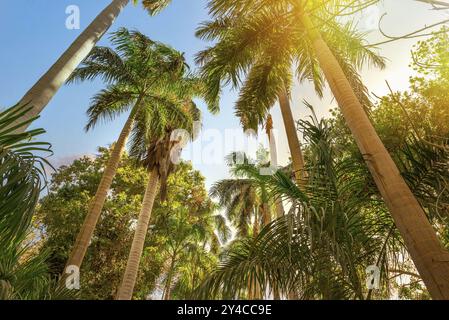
column 292, row 137
column 258, row 294
column 276, row 294
column 126, row 289
column 254, row 289
column 256, row 225
column 250, row 290
column 47, row 86
column 293, row 295
column 167, row 290
column 196, row 273
column 266, row 214
column 266, row 219
column 422, row 243
column 90, row 221
column 274, row 161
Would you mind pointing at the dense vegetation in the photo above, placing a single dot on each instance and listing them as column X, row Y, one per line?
column 367, row 187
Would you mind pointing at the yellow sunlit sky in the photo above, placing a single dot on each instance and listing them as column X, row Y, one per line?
column 40, row 25
column 403, row 17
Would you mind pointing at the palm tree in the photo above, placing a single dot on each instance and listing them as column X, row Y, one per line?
column 245, row 201
column 154, row 144
column 338, row 215
column 24, row 273
column 188, row 236
column 46, row 87
column 240, row 199
column 140, row 74
column 261, row 51
column 308, row 19
column 319, row 249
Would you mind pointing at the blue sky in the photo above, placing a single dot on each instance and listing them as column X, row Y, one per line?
column 34, row 35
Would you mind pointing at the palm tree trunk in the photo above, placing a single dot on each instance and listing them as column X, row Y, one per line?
column 276, row 294
column 422, row 243
column 266, row 214
column 292, row 136
column 274, row 160
column 47, row 86
column 256, row 225
column 126, row 289
column 254, row 290
column 90, row 222
column 197, row 263
column 258, row 294
column 167, row 290
column 250, row 290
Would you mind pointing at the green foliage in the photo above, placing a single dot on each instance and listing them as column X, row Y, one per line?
column 22, row 174
column 337, row 225
column 245, row 201
column 431, row 56
column 155, row 6
column 62, row 211
column 148, row 77
column 335, row 228
column 413, row 126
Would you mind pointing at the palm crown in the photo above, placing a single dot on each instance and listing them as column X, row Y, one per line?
column 139, row 69
column 260, row 46
column 152, row 141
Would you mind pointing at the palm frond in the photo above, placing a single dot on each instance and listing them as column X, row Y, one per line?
column 155, row 6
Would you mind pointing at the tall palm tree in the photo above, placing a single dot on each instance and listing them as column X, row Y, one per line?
column 46, row 87
column 188, row 236
column 318, row 250
column 308, row 20
column 245, row 201
column 257, row 56
column 140, row 74
column 154, row 145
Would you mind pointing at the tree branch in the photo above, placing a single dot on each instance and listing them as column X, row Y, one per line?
column 437, row 5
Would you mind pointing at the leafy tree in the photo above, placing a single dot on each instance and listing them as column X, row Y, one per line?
column 64, row 208
column 62, row 211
